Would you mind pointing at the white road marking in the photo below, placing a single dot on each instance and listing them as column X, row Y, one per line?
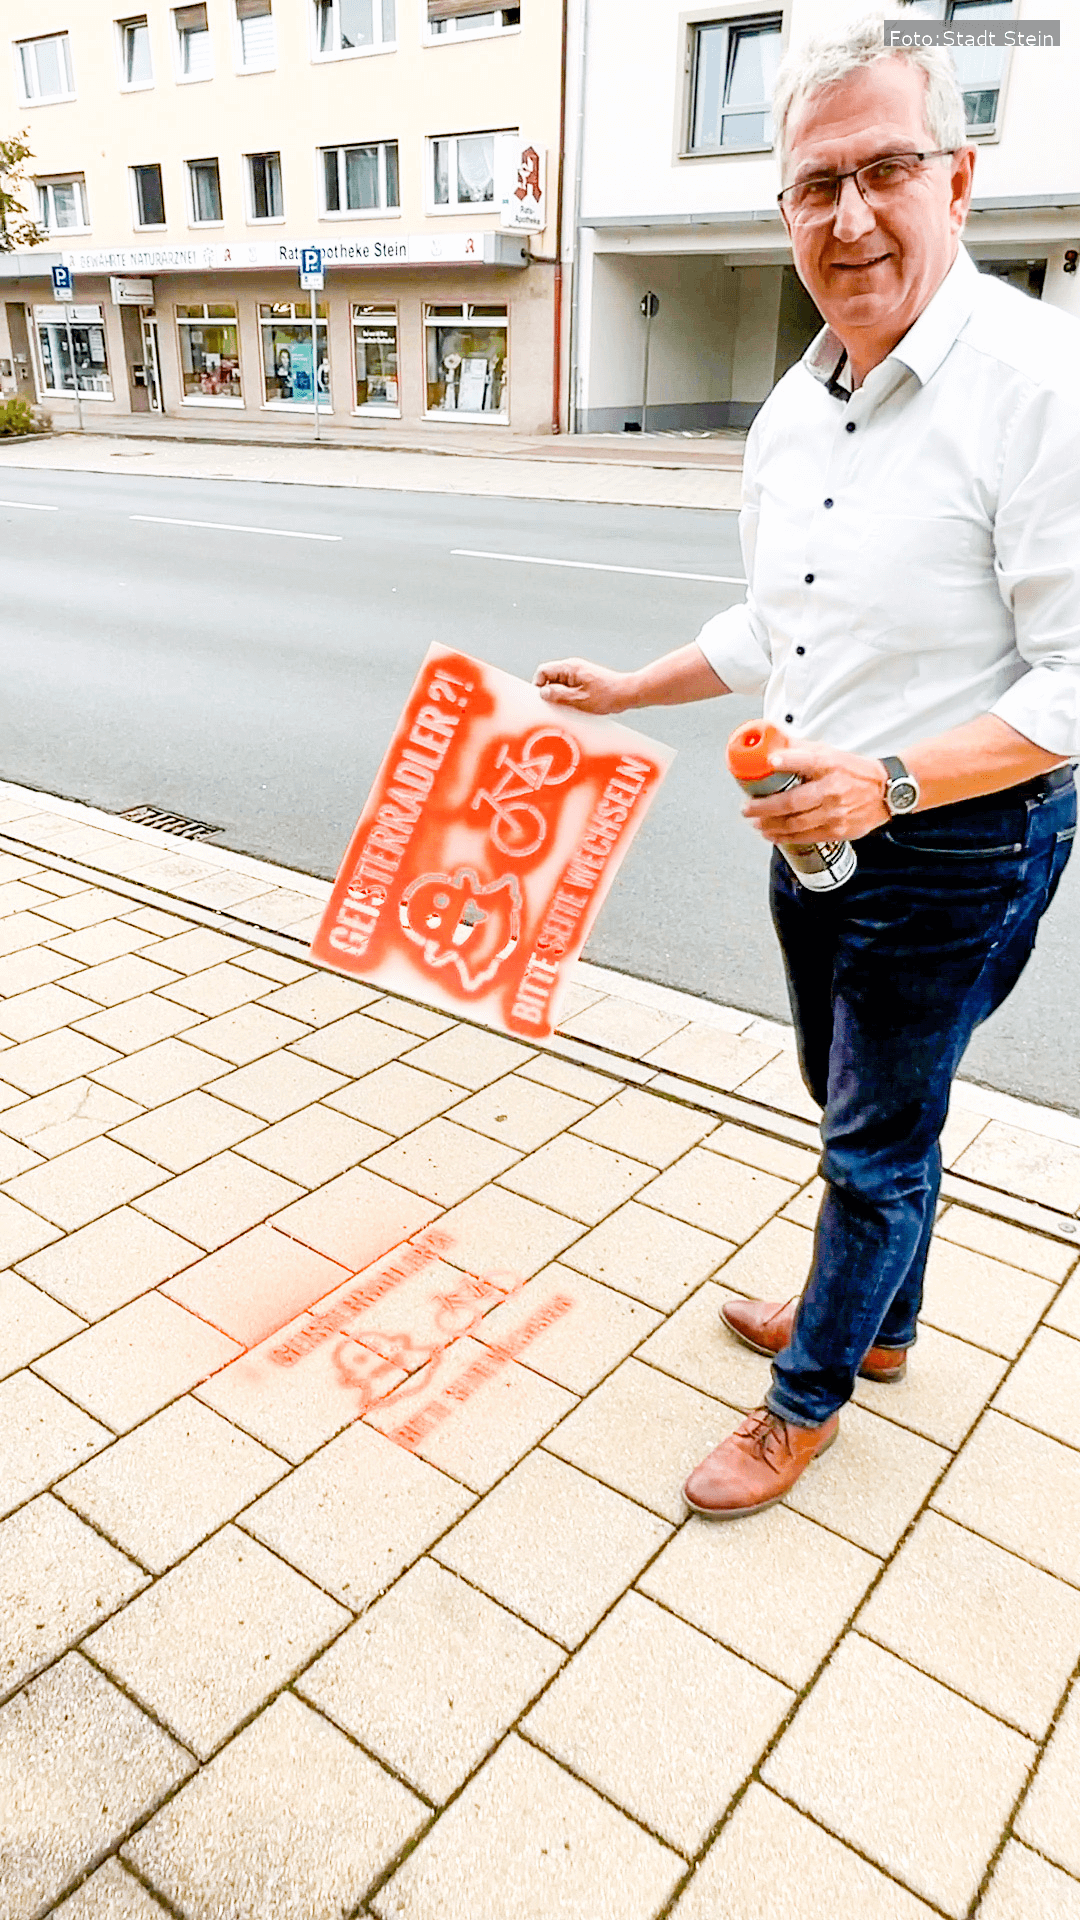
column 32, row 506
column 227, row 526
column 598, row 566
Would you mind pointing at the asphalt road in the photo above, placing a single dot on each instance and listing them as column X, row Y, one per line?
column 251, row 677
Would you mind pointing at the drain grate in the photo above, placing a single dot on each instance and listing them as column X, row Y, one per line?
column 166, row 822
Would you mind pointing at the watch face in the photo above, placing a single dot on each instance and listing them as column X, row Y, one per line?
column 903, row 795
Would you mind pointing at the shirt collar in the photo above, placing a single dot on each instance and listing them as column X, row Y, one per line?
column 924, row 345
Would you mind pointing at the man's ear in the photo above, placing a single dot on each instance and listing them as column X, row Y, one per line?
column 963, row 170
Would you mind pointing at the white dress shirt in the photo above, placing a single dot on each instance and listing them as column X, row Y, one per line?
column 912, row 549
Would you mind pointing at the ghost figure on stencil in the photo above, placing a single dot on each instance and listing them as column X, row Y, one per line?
column 463, row 924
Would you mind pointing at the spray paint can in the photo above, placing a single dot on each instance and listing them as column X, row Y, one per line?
column 824, row 864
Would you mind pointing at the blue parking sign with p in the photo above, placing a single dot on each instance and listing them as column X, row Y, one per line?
column 311, row 267
column 62, row 283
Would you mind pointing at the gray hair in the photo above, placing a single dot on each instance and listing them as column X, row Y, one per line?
column 829, row 57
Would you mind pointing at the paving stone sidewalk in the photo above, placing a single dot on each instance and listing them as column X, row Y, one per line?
column 546, row 470
column 352, row 1361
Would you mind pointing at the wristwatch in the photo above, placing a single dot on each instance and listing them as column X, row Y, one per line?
column 901, row 787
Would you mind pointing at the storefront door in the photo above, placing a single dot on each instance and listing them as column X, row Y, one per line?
column 151, row 362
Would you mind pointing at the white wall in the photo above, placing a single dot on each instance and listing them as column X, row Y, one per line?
column 690, row 349
column 634, row 110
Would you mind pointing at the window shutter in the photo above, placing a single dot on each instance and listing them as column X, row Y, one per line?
column 456, row 9
column 252, row 9
column 191, row 19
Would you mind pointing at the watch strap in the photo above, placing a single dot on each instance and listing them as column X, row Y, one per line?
column 894, row 767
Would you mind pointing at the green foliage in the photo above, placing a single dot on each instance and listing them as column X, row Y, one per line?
column 17, row 415
column 16, row 227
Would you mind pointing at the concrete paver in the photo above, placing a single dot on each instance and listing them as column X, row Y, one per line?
column 30, row 1323
column 290, row 1819
column 950, row 1603
column 170, row 1482
column 919, row 1780
column 485, row 1663
column 526, row 1838
column 79, row 1765
column 354, row 1360
column 780, row 1593
column 659, row 1719
column 53, row 1565
column 770, row 1863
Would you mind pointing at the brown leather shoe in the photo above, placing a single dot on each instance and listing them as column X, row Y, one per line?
column 766, row 1326
column 756, row 1465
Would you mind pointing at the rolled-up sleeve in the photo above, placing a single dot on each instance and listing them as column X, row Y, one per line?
column 736, row 642
column 1037, row 561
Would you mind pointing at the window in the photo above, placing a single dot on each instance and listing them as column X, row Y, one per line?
column 463, row 170
column 149, row 198
column 360, row 179
column 447, row 19
column 194, row 56
column 466, row 360
column 264, row 186
column 209, row 355
column 732, row 68
column 257, row 38
column 62, row 205
column 45, row 68
column 979, row 70
column 375, row 351
column 87, row 343
column 136, row 67
column 289, row 361
column 351, row 26
column 205, row 192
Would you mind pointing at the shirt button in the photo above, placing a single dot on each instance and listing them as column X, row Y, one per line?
column 828, row 503
column 789, row 717
column 800, row 649
column 850, row 428
column 809, row 578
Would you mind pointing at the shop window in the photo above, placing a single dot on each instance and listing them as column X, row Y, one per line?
column 467, row 365
column 136, row 65
column 463, row 170
column 85, row 341
column 361, row 179
column 353, row 26
column 375, row 347
column 205, row 182
column 980, row 71
column 149, row 196
column 290, row 356
column 264, row 183
column 209, row 355
column 733, row 65
column 62, row 205
column 195, row 60
column 45, row 68
column 449, row 19
column 256, row 35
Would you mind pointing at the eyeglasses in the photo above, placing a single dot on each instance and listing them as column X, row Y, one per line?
column 880, row 182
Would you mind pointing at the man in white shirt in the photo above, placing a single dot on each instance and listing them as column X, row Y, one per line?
column 911, row 533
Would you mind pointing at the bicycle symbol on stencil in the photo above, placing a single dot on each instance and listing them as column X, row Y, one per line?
column 548, row 758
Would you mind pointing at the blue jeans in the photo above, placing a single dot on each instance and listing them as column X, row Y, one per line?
column 888, row 978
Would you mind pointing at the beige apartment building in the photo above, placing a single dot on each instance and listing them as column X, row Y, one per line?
column 184, row 156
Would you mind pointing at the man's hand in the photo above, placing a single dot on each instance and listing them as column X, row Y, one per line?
column 842, row 796
column 581, row 684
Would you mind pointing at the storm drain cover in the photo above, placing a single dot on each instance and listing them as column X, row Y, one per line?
column 166, row 822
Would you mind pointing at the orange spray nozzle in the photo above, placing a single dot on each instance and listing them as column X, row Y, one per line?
column 750, row 750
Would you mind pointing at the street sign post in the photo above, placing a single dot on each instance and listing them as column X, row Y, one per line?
column 650, row 307
column 312, row 282
column 63, row 286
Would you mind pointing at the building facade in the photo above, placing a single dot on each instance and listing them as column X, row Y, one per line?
column 184, row 155
column 676, row 197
